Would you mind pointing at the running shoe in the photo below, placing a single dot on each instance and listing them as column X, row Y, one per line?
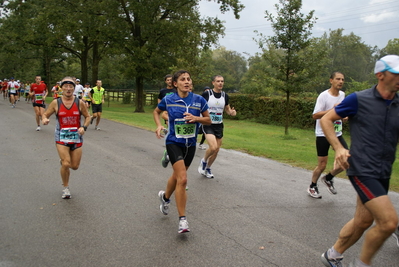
column 91, row 120
column 38, row 128
column 202, row 167
column 164, row 207
column 331, row 262
column 183, row 226
column 329, row 184
column 203, row 147
column 209, row 174
column 97, row 128
column 396, row 235
column 165, row 159
column 314, row 192
column 66, row 194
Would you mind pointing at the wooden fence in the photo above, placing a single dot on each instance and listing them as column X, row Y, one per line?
column 118, row 95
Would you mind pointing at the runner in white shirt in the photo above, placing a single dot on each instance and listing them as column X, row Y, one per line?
column 13, row 88
column 326, row 101
column 78, row 89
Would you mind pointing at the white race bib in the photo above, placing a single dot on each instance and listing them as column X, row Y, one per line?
column 69, row 135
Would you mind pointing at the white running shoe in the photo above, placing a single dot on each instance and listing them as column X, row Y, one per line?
column 183, row 226
column 209, row 174
column 164, row 207
column 38, row 128
column 66, row 194
column 202, row 167
column 337, row 262
column 202, row 147
column 314, row 192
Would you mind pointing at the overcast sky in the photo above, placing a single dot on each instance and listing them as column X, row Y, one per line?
column 374, row 21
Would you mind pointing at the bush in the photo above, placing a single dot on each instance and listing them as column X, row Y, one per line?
column 271, row 110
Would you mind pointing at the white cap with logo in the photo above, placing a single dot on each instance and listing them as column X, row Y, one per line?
column 387, row 63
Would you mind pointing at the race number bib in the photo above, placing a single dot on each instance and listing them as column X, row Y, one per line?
column 183, row 129
column 338, row 126
column 69, row 135
column 12, row 90
column 39, row 98
column 216, row 117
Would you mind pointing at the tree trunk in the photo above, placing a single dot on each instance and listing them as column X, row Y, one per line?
column 47, row 68
column 287, row 112
column 96, row 63
column 139, row 94
column 83, row 62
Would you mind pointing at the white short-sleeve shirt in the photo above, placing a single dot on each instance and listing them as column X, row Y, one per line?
column 326, row 101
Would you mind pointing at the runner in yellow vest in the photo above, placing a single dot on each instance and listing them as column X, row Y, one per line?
column 97, row 100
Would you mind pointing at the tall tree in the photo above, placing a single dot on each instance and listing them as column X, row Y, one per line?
column 159, row 32
column 260, row 79
column 349, row 55
column 292, row 34
column 392, row 48
column 231, row 65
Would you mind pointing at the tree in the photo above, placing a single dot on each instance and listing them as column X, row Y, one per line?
column 159, row 32
column 349, row 55
column 56, row 36
column 260, row 77
column 231, row 65
column 292, row 35
column 392, row 48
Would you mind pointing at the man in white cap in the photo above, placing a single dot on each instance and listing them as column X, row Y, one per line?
column 374, row 130
column 78, row 89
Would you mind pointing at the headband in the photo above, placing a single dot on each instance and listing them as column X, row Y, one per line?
column 68, row 82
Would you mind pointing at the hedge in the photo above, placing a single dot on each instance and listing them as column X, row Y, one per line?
column 271, row 110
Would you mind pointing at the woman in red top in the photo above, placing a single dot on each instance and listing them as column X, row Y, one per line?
column 69, row 129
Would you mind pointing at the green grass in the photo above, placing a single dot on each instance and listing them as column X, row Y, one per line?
column 296, row 149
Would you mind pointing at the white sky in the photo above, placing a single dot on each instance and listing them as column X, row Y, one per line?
column 374, row 21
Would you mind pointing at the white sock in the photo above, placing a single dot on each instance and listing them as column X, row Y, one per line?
column 333, row 254
column 359, row 263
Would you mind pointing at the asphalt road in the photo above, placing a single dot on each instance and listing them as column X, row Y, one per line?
column 256, row 211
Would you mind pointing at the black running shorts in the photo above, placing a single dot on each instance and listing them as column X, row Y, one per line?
column 215, row 129
column 322, row 145
column 96, row 108
column 369, row 187
column 177, row 152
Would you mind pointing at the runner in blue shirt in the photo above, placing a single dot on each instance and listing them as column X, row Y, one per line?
column 185, row 109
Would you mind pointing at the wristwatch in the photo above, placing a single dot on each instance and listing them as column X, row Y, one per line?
column 84, row 127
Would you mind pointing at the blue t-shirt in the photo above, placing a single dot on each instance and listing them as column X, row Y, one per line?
column 181, row 132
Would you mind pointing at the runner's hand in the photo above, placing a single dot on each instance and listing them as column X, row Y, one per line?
column 160, row 132
column 190, row 117
column 341, row 158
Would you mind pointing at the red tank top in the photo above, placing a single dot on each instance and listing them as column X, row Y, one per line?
column 69, row 121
